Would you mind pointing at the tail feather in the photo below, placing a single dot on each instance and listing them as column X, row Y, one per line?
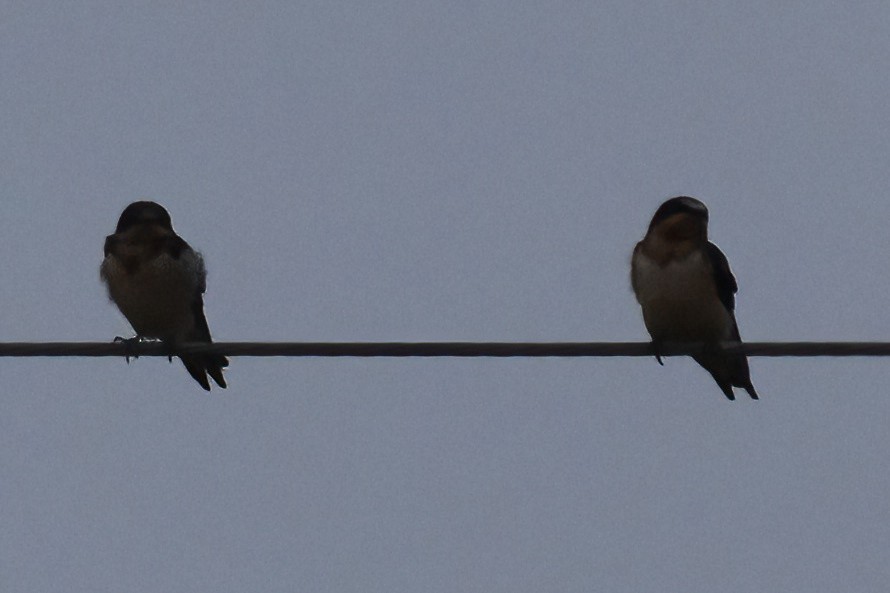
column 215, row 364
column 199, row 366
column 728, row 371
column 194, row 365
column 726, row 388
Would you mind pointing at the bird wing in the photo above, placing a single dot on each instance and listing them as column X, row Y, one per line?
column 723, row 278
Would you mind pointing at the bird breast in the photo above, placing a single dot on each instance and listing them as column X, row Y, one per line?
column 157, row 296
column 679, row 299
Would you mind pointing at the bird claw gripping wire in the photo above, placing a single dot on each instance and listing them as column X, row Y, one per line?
column 656, row 348
column 130, row 346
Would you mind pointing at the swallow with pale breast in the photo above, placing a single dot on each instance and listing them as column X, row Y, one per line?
column 687, row 291
column 157, row 281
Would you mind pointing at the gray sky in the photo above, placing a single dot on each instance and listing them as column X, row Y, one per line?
column 445, row 171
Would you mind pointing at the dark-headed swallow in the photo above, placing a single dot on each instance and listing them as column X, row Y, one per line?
column 687, row 291
column 157, row 281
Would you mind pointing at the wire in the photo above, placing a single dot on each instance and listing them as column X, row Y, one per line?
column 438, row 349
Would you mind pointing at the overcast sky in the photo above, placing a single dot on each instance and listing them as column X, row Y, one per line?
column 445, row 170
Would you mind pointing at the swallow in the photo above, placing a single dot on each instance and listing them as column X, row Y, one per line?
column 158, row 281
column 687, row 291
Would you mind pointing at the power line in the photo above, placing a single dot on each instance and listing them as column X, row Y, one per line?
column 438, row 349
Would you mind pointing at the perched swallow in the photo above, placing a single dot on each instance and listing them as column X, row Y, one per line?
column 157, row 281
column 687, row 291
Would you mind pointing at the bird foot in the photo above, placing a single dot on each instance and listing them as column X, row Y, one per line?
column 656, row 347
column 128, row 346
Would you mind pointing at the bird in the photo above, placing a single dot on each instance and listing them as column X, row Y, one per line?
column 686, row 290
column 158, row 281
